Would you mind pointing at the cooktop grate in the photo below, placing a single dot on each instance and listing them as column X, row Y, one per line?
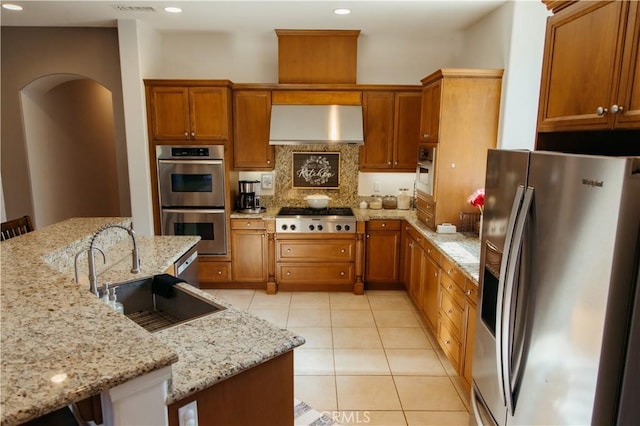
column 308, row 211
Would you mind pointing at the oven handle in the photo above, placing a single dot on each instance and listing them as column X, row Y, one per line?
column 204, row 211
column 206, row 162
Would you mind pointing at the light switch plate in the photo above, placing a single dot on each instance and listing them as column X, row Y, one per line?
column 188, row 414
column 266, row 181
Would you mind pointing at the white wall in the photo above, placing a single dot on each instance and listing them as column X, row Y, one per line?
column 139, row 55
column 511, row 38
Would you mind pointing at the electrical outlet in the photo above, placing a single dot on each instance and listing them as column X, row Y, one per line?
column 266, row 181
column 188, row 414
column 376, row 186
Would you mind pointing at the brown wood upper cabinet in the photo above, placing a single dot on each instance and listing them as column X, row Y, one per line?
column 430, row 118
column 251, row 122
column 591, row 69
column 391, row 131
column 185, row 113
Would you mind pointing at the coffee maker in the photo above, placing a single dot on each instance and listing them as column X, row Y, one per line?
column 249, row 198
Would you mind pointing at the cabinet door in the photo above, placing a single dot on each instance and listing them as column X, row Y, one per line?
column 169, row 111
column 471, row 313
column 430, row 112
column 382, row 257
column 405, row 256
column 581, row 66
column 430, row 279
column 629, row 93
column 209, row 112
column 249, row 255
column 407, row 131
column 415, row 284
column 377, row 151
column 251, row 122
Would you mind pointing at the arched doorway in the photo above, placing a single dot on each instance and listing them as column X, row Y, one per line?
column 70, row 141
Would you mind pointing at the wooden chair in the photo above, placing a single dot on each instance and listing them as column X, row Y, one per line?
column 16, row 227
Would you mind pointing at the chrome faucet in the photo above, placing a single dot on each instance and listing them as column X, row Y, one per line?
column 135, row 258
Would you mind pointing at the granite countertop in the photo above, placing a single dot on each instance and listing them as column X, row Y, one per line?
column 51, row 326
column 460, row 248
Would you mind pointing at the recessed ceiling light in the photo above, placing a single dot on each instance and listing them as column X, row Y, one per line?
column 172, row 9
column 342, row 11
column 11, row 6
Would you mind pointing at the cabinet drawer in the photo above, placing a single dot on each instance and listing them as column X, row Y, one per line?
column 453, row 271
column 431, row 250
column 453, row 312
column 449, row 344
column 316, row 251
column 311, row 273
column 383, row 225
column 248, row 224
column 471, row 290
column 452, row 289
column 214, row 271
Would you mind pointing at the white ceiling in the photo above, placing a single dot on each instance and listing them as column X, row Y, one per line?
column 401, row 19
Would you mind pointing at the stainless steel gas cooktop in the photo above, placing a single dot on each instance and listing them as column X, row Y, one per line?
column 306, row 219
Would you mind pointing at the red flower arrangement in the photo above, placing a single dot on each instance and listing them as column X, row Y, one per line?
column 477, row 199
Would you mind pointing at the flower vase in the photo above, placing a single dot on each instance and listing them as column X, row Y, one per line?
column 480, row 230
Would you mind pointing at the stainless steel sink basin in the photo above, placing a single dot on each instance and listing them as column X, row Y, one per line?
column 155, row 312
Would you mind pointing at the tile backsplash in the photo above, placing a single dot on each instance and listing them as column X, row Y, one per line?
column 353, row 186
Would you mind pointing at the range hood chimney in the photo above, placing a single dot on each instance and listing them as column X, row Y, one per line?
column 316, row 124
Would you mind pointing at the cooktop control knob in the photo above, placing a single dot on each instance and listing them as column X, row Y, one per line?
column 284, row 227
column 338, row 227
column 319, row 227
column 292, row 227
column 347, row 227
column 311, row 227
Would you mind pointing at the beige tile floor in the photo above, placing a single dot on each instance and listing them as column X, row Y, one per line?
column 368, row 359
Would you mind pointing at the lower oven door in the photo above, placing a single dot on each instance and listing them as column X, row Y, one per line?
column 209, row 224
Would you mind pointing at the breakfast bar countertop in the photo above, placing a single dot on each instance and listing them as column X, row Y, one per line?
column 60, row 344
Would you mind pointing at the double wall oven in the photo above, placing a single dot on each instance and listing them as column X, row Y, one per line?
column 191, row 187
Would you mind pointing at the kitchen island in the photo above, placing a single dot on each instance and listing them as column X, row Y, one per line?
column 60, row 344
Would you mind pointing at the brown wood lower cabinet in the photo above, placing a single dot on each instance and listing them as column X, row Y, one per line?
column 444, row 295
column 315, row 262
column 249, row 254
column 382, row 258
column 261, row 395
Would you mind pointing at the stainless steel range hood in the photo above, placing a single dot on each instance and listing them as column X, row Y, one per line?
column 316, row 124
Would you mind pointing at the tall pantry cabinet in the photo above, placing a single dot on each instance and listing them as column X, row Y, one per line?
column 460, row 110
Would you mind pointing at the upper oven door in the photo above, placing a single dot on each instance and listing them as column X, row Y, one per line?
column 191, row 183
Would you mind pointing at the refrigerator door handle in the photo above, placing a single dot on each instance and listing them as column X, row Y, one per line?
column 515, row 209
column 510, row 291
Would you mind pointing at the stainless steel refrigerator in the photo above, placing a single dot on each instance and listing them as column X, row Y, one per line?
column 557, row 335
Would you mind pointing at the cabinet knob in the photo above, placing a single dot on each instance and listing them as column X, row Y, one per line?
column 219, row 272
column 288, row 273
column 186, row 133
column 469, row 292
column 616, row 109
column 288, row 250
column 248, row 223
column 450, row 271
column 268, row 161
column 435, row 274
column 342, row 250
column 447, row 342
column 449, row 311
column 193, row 133
column 368, row 235
column 450, row 287
column 395, row 163
column 342, row 274
column 425, row 136
column 600, row 111
column 429, row 251
column 389, row 162
column 384, row 224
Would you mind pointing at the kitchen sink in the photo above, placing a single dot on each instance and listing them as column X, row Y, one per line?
column 155, row 309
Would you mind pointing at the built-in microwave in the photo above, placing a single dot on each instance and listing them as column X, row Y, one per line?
column 425, row 172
